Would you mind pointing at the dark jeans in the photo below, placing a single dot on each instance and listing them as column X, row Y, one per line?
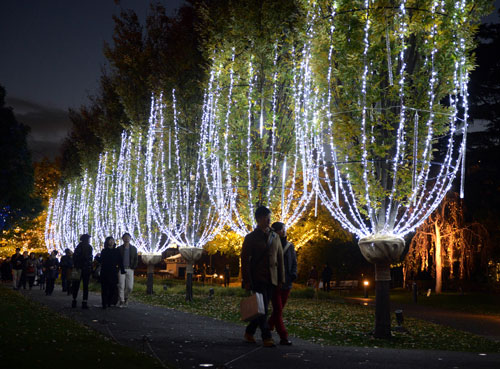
column 64, row 280
column 31, row 281
column 326, row 285
column 108, row 292
column 49, row 287
column 266, row 289
column 85, row 277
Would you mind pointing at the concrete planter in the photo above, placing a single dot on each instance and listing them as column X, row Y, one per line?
column 191, row 255
column 382, row 251
column 150, row 260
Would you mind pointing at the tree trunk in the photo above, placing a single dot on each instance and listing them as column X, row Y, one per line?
column 439, row 265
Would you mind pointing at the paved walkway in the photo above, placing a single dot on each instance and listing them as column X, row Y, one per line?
column 190, row 341
column 480, row 324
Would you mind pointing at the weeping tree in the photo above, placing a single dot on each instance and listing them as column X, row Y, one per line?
column 389, row 106
column 446, row 240
column 253, row 134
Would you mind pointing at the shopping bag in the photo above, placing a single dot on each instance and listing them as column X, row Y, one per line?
column 75, row 274
column 252, row 307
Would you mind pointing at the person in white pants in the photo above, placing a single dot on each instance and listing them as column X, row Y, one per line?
column 17, row 268
column 128, row 253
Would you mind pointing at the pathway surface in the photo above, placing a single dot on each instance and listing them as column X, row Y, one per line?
column 480, row 324
column 187, row 340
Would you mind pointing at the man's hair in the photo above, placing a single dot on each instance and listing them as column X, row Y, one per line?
column 277, row 226
column 67, row 251
column 18, row 249
column 84, row 237
column 261, row 211
column 126, row 234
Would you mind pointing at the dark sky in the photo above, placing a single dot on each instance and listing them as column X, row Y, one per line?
column 51, row 59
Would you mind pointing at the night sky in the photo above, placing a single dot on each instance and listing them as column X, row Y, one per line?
column 51, row 59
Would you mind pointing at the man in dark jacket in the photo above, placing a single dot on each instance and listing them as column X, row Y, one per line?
column 66, row 264
column 280, row 295
column 128, row 253
column 326, row 276
column 82, row 260
column 51, row 267
column 262, row 270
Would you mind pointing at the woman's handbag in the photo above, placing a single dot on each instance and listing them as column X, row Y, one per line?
column 75, row 274
column 252, row 307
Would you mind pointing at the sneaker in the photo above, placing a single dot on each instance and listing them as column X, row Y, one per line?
column 249, row 338
column 285, row 342
column 121, row 305
column 268, row 342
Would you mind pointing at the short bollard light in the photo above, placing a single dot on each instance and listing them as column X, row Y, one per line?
column 211, row 293
column 365, row 287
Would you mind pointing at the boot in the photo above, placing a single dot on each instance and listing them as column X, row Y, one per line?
column 84, row 305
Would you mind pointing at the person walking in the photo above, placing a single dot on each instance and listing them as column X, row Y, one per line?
column 82, row 260
column 23, row 280
column 128, row 253
column 40, row 273
column 51, row 267
column 227, row 276
column 17, row 268
column 326, row 277
column 262, row 270
column 6, row 270
column 280, row 295
column 31, row 269
column 111, row 263
column 313, row 277
column 66, row 264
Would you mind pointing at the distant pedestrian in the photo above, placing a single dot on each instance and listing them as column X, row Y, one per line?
column 31, row 269
column 6, row 270
column 40, row 273
column 23, row 280
column 313, row 277
column 111, row 264
column 280, row 295
column 326, row 277
column 227, row 276
column 82, row 260
column 51, row 267
column 262, row 270
column 66, row 265
column 128, row 253
column 17, row 268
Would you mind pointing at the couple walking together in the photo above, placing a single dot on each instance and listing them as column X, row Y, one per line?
column 117, row 267
column 268, row 266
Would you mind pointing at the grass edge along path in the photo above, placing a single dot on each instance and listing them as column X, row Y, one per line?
column 33, row 335
column 324, row 321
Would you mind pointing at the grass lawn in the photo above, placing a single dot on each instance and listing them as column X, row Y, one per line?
column 32, row 336
column 470, row 302
column 323, row 320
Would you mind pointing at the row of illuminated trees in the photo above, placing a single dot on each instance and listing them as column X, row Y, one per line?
column 360, row 105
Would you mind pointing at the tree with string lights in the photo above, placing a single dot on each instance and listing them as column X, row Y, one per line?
column 391, row 116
